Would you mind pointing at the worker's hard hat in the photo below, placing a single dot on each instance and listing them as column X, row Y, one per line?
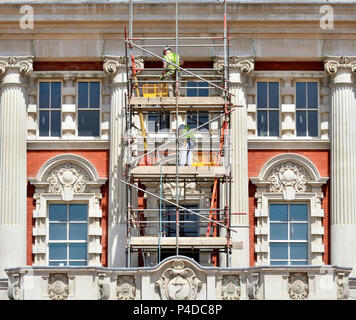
column 166, row 48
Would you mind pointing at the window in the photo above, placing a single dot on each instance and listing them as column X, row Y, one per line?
column 306, row 100
column 197, row 89
column 288, row 232
column 158, row 122
column 196, row 119
column 50, row 102
column 268, row 109
column 188, row 222
column 67, row 236
column 89, row 108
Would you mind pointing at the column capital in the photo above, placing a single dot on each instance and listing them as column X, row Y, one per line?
column 112, row 64
column 13, row 67
column 340, row 68
column 242, row 64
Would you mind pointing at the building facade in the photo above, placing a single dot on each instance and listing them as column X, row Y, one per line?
column 239, row 185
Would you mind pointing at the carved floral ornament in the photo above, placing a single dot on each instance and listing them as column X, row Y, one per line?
column 298, row 287
column 126, row 288
column 178, row 283
column 230, row 288
column 333, row 64
column 23, row 64
column 58, row 288
column 189, row 188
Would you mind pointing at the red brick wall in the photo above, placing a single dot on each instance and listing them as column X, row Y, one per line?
column 36, row 158
column 256, row 160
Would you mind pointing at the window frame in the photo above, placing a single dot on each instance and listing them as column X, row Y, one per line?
column 67, row 241
column 197, row 88
column 268, row 80
column 289, row 241
column 92, row 109
column 38, row 109
column 306, row 108
column 159, row 114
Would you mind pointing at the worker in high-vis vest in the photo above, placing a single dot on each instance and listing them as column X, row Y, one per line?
column 186, row 145
column 169, row 70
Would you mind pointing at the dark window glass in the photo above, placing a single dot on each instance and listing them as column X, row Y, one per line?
column 192, row 90
column 278, row 212
column 56, row 93
column 261, row 94
column 44, row 95
column 88, row 123
column 301, row 123
column 274, row 123
column 313, row 123
column 312, row 95
column 192, row 120
column 95, row 95
column 262, row 123
column 83, row 95
column 203, row 92
column 55, row 123
column 152, row 123
column 203, row 118
column 188, row 222
column 197, row 89
column 300, row 95
column 273, row 94
column 164, row 121
column 44, row 123
column 78, row 212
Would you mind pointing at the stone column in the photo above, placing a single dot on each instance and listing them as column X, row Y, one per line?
column 343, row 160
column 117, row 229
column 13, row 179
column 240, row 67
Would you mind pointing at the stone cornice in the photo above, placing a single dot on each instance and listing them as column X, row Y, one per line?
column 23, row 65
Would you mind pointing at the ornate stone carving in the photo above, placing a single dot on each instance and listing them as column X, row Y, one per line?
column 113, row 64
column 245, row 65
column 230, row 288
column 178, row 283
column 342, row 286
column 23, row 64
column 104, row 287
column 67, row 177
column 188, row 188
column 13, row 290
column 298, row 287
column 126, row 288
column 58, row 288
column 253, row 286
column 333, row 64
column 289, row 178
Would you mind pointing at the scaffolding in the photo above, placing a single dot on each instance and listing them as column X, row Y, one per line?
column 154, row 231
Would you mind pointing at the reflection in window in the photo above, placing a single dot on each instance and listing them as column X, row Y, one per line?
column 50, row 102
column 188, row 222
column 268, row 109
column 89, row 109
column 307, row 103
column 158, row 122
column 67, row 239
column 288, row 233
column 196, row 119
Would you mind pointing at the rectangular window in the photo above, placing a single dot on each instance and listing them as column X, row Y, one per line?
column 197, row 89
column 196, row 119
column 89, row 101
column 67, row 235
column 188, row 222
column 49, row 104
column 288, row 233
column 268, row 109
column 158, row 122
column 307, row 104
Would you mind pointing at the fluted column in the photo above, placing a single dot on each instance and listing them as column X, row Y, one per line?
column 13, row 180
column 343, row 160
column 240, row 67
column 115, row 67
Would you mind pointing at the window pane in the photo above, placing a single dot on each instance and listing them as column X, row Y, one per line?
column 77, row 251
column 299, row 263
column 164, row 122
column 203, row 118
column 192, row 120
column 152, row 123
column 77, row 263
column 279, row 263
column 312, row 94
column 57, row 263
column 57, row 251
column 82, row 94
column 279, row 250
column 44, row 123
column 77, row 231
column 203, row 92
column 301, row 123
column 313, row 123
column 300, row 99
column 57, row 231
column 44, row 95
column 278, row 212
column 78, row 212
column 261, row 94
column 88, row 123
column 299, row 251
column 55, row 95
column 58, row 212
column 55, row 123
column 279, row 231
column 192, row 90
column 262, row 123
column 94, row 94
column 299, row 231
column 273, row 94
column 299, row 212
column 274, row 123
